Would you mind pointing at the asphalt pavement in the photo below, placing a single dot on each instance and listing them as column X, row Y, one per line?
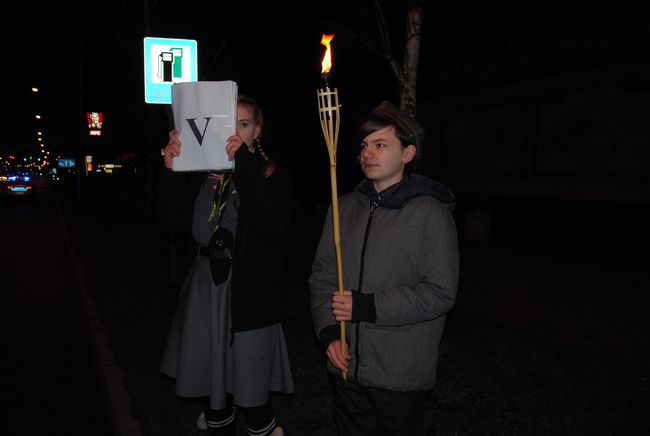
column 579, row 287
column 50, row 380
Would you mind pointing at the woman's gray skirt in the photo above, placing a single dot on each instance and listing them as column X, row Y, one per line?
column 206, row 359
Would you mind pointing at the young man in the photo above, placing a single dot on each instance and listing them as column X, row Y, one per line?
column 400, row 270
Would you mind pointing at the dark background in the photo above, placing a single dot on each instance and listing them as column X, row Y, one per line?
column 536, row 115
column 490, row 74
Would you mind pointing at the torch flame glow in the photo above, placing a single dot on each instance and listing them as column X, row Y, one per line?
column 327, row 57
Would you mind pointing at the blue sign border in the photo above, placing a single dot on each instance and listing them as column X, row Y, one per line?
column 161, row 93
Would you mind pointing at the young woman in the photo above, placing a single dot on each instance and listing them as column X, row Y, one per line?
column 226, row 341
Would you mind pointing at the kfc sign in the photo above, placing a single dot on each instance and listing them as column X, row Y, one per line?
column 95, row 121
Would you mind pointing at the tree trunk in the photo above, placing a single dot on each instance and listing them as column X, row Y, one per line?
column 408, row 100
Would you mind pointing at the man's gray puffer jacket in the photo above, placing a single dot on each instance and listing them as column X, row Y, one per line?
column 400, row 258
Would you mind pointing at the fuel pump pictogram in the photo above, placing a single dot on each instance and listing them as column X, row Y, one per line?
column 178, row 61
column 165, row 60
column 170, row 64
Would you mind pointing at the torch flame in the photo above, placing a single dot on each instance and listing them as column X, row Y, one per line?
column 327, row 57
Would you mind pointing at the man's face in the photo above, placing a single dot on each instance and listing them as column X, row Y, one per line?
column 382, row 157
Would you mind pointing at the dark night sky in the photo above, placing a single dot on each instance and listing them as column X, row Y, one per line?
column 274, row 52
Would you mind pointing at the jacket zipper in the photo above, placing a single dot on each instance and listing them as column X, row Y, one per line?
column 363, row 256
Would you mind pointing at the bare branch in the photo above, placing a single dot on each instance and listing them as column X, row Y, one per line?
column 385, row 43
column 384, row 35
column 216, row 56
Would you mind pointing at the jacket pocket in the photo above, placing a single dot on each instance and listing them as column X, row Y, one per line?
column 398, row 357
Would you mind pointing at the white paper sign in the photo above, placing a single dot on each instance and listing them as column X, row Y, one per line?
column 205, row 113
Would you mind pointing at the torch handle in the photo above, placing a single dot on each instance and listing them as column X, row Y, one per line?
column 337, row 246
column 328, row 108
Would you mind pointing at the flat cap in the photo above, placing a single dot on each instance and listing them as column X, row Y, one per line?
column 398, row 117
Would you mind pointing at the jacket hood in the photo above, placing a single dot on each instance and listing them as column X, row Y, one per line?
column 412, row 186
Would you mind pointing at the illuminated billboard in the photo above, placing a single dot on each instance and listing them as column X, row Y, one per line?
column 95, row 121
column 67, row 163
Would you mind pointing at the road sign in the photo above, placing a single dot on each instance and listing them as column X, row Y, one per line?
column 167, row 61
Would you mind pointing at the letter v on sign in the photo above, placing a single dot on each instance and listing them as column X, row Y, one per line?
column 199, row 136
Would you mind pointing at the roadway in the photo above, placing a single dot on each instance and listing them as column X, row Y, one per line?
column 48, row 376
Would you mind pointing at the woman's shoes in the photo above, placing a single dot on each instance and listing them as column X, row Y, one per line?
column 200, row 422
column 202, row 425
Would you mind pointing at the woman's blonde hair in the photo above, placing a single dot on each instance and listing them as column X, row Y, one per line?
column 258, row 117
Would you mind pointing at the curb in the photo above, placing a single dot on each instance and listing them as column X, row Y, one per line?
column 116, row 398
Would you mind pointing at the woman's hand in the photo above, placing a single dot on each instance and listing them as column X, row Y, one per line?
column 172, row 149
column 234, row 142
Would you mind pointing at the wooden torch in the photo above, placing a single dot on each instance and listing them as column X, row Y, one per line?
column 328, row 108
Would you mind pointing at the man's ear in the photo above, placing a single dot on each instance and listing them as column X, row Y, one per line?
column 408, row 153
